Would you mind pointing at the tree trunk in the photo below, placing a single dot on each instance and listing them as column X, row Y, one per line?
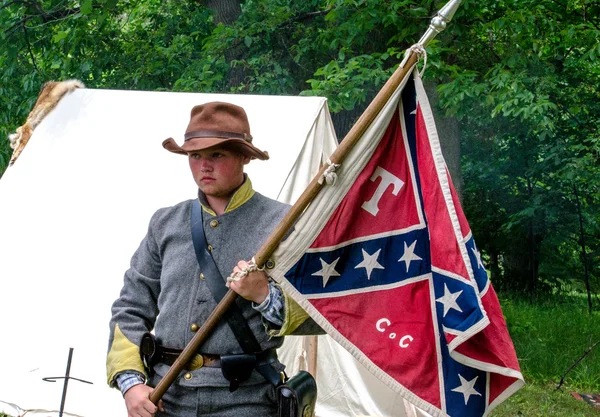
column 494, row 266
column 531, row 245
column 517, row 275
column 226, row 12
column 344, row 120
column 583, row 250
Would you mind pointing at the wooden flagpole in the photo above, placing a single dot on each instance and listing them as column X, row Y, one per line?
column 438, row 24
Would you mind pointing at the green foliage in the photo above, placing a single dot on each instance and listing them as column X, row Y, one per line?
column 343, row 49
column 522, row 77
column 106, row 44
column 525, row 85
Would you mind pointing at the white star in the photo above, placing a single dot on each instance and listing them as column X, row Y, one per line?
column 414, row 111
column 449, row 300
column 466, row 388
column 369, row 262
column 327, row 271
column 409, row 255
column 478, row 256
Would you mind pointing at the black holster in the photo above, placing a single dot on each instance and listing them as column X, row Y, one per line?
column 237, row 368
column 297, row 396
column 149, row 352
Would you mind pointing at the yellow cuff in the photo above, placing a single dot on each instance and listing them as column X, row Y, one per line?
column 294, row 316
column 123, row 356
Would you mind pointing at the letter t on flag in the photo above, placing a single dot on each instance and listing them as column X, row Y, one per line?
column 385, row 262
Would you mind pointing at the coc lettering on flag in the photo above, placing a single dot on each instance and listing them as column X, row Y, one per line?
column 384, row 260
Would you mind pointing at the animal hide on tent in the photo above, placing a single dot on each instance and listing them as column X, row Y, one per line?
column 50, row 94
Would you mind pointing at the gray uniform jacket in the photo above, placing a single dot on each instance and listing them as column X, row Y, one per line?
column 163, row 289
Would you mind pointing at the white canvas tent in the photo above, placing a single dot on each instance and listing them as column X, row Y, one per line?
column 75, row 206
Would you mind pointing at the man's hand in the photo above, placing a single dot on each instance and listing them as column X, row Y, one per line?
column 137, row 401
column 253, row 287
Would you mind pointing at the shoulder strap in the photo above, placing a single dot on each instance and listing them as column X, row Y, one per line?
column 217, row 287
column 236, row 321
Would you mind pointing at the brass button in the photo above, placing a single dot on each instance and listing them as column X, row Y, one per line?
column 214, row 223
column 194, row 327
column 201, row 276
column 210, row 248
column 197, row 362
column 270, row 264
column 188, row 376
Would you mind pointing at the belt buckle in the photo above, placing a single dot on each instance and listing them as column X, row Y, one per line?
column 197, row 362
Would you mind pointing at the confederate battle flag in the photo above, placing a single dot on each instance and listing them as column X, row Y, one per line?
column 384, row 260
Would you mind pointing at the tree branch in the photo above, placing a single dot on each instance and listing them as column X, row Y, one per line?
column 29, row 48
column 60, row 14
column 584, row 16
column 47, row 17
column 587, row 351
column 310, row 15
column 10, row 3
column 13, row 28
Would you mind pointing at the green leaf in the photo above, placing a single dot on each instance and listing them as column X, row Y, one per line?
column 101, row 18
column 247, row 41
column 60, row 36
column 86, row 7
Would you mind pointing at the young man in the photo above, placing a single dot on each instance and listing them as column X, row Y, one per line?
column 165, row 289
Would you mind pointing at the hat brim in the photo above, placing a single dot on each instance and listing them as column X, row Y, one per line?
column 198, row 144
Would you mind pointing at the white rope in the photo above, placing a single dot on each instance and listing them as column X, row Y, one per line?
column 329, row 175
column 418, row 49
column 421, row 52
column 250, row 267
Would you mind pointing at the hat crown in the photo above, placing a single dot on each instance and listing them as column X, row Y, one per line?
column 218, row 117
column 217, row 124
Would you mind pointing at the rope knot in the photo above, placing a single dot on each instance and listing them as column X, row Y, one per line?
column 420, row 51
column 329, row 175
column 250, row 267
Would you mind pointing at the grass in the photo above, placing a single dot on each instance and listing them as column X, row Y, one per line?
column 535, row 400
column 549, row 335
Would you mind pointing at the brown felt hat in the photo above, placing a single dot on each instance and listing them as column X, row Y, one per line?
column 216, row 124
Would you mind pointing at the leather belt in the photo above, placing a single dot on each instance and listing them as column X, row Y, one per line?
column 169, row 356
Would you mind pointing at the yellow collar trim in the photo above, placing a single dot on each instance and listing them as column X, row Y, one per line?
column 239, row 197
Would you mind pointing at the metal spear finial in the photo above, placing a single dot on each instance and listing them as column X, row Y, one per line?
column 439, row 22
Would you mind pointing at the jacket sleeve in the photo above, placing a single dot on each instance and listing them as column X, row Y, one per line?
column 136, row 309
column 296, row 321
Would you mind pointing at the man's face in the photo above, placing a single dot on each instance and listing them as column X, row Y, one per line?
column 218, row 171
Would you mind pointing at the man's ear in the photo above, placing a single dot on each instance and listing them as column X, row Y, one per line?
column 246, row 159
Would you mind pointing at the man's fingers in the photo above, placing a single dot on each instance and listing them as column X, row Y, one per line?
column 150, row 408
column 137, row 400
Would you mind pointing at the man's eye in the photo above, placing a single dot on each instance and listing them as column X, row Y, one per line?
column 195, row 156
column 217, row 155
